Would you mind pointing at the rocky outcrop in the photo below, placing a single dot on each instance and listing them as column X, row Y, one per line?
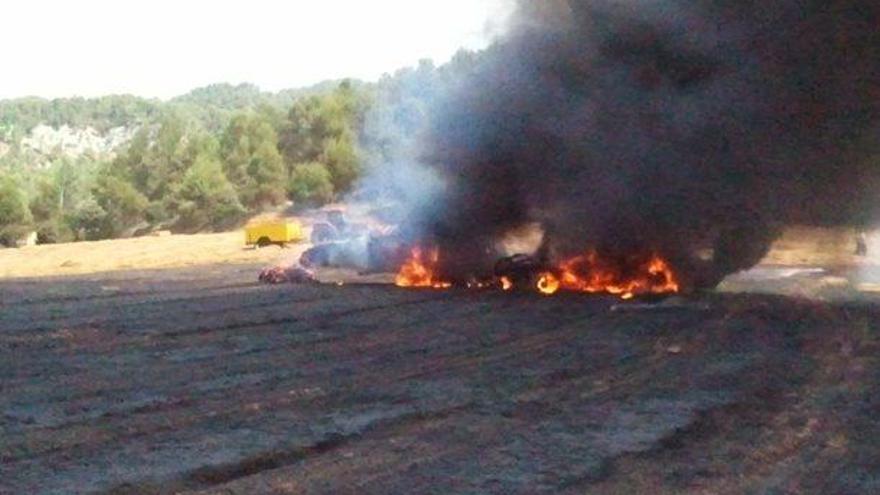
column 75, row 142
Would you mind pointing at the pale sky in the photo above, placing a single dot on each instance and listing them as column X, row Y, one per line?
column 163, row 48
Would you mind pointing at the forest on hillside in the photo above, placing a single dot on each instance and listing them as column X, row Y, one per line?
column 209, row 159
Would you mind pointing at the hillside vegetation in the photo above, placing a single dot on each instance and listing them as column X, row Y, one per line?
column 203, row 161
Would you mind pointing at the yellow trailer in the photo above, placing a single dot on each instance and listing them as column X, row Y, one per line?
column 280, row 233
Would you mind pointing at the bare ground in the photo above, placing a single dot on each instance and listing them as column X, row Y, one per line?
column 140, row 253
column 198, row 380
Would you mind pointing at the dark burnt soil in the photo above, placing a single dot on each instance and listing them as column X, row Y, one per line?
column 204, row 381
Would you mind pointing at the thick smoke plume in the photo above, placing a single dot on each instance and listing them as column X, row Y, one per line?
column 692, row 129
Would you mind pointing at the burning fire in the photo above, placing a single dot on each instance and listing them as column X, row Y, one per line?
column 624, row 276
column 547, row 284
column 420, row 270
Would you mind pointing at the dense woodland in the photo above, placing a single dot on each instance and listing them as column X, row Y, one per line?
column 209, row 159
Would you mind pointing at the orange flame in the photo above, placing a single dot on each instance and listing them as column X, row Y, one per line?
column 420, row 270
column 592, row 273
column 548, row 284
column 625, row 277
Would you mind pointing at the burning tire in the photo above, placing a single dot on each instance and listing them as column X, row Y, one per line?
column 520, row 270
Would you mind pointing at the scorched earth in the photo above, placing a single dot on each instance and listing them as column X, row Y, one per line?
column 201, row 380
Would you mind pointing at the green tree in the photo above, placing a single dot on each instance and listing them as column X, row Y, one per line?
column 47, row 209
column 15, row 216
column 310, row 184
column 155, row 159
column 158, row 160
column 123, row 204
column 165, row 159
column 53, row 194
column 206, row 198
column 46, row 202
column 249, row 149
column 57, row 189
column 308, row 125
column 134, row 162
column 325, row 129
column 341, row 156
column 88, row 220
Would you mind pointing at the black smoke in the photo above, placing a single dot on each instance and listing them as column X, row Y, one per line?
column 678, row 127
